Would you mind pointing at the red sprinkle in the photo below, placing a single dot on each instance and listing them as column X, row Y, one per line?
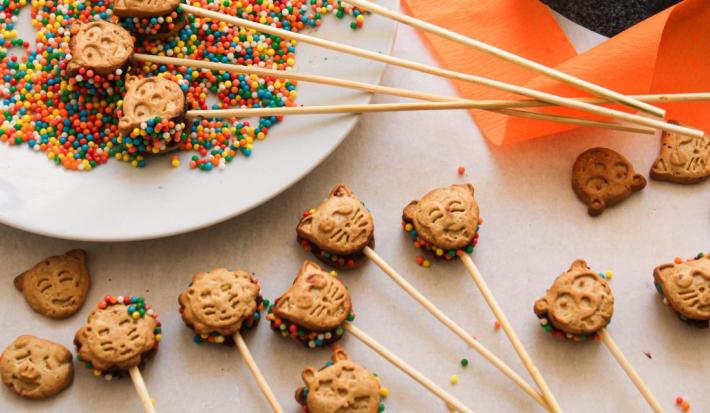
column 461, row 170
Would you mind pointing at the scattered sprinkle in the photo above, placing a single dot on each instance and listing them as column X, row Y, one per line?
column 461, row 170
column 454, row 379
column 464, row 362
column 648, row 354
column 496, row 325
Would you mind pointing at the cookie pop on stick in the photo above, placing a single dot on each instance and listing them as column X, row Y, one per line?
column 579, row 305
column 120, row 335
column 685, row 288
column 445, row 221
column 317, row 310
column 219, row 305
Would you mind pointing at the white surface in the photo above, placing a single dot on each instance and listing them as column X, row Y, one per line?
column 534, row 228
column 33, row 190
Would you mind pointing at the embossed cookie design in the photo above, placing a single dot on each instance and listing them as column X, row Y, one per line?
column 340, row 387
column 683, row 159
column 338, row 230
column 144, row 8
column 579, row 302
column 148, row 98
column 100, row 46
column 36, row 369
column 56, row 287
column 220, row 303
column 686, row 288
column 602, row 178
column 314, row 309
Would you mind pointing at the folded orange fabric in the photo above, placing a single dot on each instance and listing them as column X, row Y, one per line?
column 667, row 53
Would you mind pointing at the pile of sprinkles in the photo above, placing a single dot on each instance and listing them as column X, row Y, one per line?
column 72, row 118
column 439, row 252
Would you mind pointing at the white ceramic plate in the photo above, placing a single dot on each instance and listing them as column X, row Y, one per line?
column 118, row 203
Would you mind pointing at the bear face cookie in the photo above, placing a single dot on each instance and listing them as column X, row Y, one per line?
column 56, row 287
column 100, row 46
column 683, row 159
column 339, row 229
column 314, row 309
column 149, row 98
column 220, row 303
column 686, row 288
column 578, row 303
column 341, row 387
column 36, row 369
column 602, row 178
column 120, row 334
column 144, row 8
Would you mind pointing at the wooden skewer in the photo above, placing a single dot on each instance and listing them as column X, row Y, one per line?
column 508, row 56
column 654, row 98
column 142, row 391
column 547, row 97
column 256, row 372
column 455, row 328
column 289, row 74
column 406, row 368
column 629, row 369
column 508, row 328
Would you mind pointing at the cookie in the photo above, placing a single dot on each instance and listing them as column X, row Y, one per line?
column 314, row 309
column 220, row 303
column 36, row 369
column 686, row 288
column 579, row 303
column 342, row 386
column 602, row 178
column 683, row 159
column 338, row 230
column 144, row 8
column 56, row 287
column 149, row 98
column 123, row 332
column 444, row 221
column 100, row 46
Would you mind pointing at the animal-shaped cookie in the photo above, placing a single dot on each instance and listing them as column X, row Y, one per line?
column 602, row 178
column 149, row 98
column 123, row 332
column 341, row 387
column 57, row 286
column 445, row 220
column 36, row 368
column 686, row 288
column 683, row 159
column 144, row 8
column 338, row 230
column 220, row 303
column 314, row 309
column 579, row 302
column 100, row 46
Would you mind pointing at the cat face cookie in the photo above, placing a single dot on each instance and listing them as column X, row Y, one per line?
column 148, row 98
column 686, row 287
column 339, row 229
column 579, row 302
column 342, row 386
column 100, row 46
column 683, row 159
column 121, row 333
column 144, row 8
column 603, row 178
column 220, row 301
column 56, row 287
column 36, row 369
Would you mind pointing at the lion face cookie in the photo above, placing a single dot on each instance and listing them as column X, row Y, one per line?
column 683, row 159
column 100, row 46
column 579, row 302
column 56, row 287
column 339, row 229
column 144, row 8
column 119, row 334
column 148, row 98
column 602, row 178
column 220, row 302
column 686, row 288
column 340, row 387
column 36, row 368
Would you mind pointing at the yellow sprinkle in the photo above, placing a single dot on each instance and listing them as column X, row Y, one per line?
column 408, row 227
column 426, row 264
column 609, row 274
column 454, row 379
column 384, row 392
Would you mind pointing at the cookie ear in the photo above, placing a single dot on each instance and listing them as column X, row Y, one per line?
column 410, row 210
column 304, row 227
column 339, row 191
column 62, row 355
column 466, row 187
column 309, row 267
column 308, row 376
column 540, row 307
column 578, row 265
column 282, row 303
column 596, row 206
column 339, row 355
column 130, row 80
column 638, row 183
column 20, row 281
column 659, row 167
column 78, row 254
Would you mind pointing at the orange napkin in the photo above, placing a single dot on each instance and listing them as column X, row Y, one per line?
column 667, row 53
